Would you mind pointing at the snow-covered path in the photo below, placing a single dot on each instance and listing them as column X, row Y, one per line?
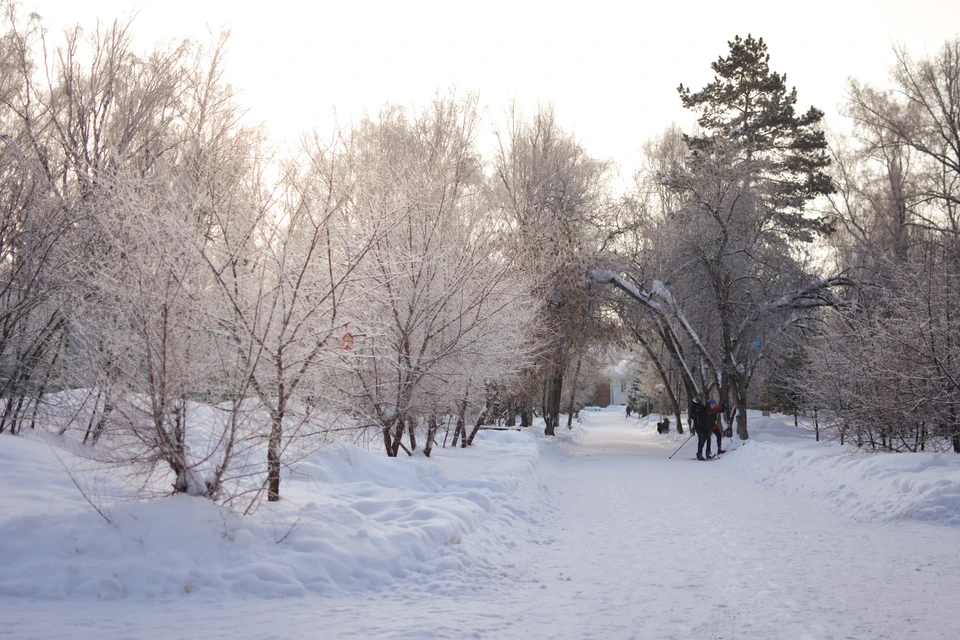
column 623, row 543
column 679, row 549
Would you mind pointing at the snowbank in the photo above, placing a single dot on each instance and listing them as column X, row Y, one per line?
column 866, row 487
column 350, row 521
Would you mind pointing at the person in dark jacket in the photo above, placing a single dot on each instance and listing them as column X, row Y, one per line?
column 702, row 421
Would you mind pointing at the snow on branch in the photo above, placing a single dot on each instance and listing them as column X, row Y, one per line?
column 663, row 292
column 662, row 313
column 818, row 293
column 604, row 276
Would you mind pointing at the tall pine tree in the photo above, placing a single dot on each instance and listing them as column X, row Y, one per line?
column 748, row 120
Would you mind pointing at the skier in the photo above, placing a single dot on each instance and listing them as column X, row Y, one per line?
column 716, row 412
column 702, row 420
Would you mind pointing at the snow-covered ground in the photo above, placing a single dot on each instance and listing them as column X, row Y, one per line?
column 593, row 534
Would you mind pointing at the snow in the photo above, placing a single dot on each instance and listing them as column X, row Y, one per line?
column 917, row 486
column 594, row 533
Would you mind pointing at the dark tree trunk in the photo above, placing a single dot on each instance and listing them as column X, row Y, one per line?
column 526, row 416
column 739, row 393
column 728, row 408
column 446, row 435
column 273, row 459
column 458, row 432
column 16, row 421
column 412, row 433
column 93, row 416
column 431, row 434
column 467, row 441
column 101, row 423
column 573, row 392
column 551, row 406
column 398, row 435
column 511, row 417
column 385, row 430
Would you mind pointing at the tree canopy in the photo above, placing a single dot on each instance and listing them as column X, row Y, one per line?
column 747, row 116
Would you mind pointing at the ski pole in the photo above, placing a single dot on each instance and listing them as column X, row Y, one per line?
column 681, row 446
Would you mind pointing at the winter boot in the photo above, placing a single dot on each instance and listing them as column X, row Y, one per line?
column 700, row 456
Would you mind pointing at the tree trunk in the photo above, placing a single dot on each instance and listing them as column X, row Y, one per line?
column 446, row 434
column 476, row 426
column 458, row 432
column 273, row 458
column 573, row 392
column 728, row 408
column 412, row 432
column 740, row 397
column 511, row 420
column 551, row 406
column 93, row 415
column 742, row 424
column 431, row 434
column 385, row 430
column 101, row 423
column 398, row 435
column 526, row 416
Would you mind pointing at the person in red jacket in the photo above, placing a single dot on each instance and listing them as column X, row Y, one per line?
column 716, row 412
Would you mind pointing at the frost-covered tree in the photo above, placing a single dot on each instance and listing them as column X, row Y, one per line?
column 885, row 370
column 87, row 110
column 144, row 320
column 282, row 260
column 191, row 277
column 443, row 316
column 898, row 177
column 554, row 200
column 728, row 276
column 144, row 336
column 31, row 325
column 921, row 113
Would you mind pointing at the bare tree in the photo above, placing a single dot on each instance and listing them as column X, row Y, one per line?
column 922, row 113
column 442, row 313
column 282, row 261
column 726, row 273
column 899, row 179
column 554, row 200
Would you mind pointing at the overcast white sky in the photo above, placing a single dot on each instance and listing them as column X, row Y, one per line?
column 610, row 67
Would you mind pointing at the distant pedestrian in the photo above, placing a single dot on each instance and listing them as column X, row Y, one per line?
column 628, row 410
column 702, row 421
column 716, row 413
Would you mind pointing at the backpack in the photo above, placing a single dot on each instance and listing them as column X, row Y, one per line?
column 701, row 417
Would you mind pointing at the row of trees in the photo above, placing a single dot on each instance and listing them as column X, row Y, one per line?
column 719, row 275
column 208, row 309
column 845, row 308
column 885, row 367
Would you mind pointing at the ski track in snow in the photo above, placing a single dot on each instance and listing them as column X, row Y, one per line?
column 620, row 543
